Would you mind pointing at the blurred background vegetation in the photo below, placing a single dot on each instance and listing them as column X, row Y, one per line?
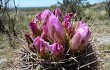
column 14, row 23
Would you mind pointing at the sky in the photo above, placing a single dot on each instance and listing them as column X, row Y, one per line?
column 43, row 3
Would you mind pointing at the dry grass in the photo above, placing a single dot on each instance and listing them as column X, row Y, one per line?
column 101, row 34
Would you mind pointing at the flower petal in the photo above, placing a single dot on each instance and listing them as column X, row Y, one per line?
column 82, row 34
column 55, row 26
column 57, row 12
column 67, row 23
column 57, row 49
column 75, row 42
column 34, row 28
column 41, row 45
column 45, row 31
column 45, row 15
column 38, row 16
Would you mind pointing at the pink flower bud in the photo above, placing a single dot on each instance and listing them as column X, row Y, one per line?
column 83, row 29
column 28, row 38
column 45, row 31
column 75, row 42
column 41, row 45
column 81, row 37
column 55, row 29
column 38, row 16
column 57, row 49
column 34, row 28
column 43, row 16
column 68, row 25
column 68, row 17
column 57, row 12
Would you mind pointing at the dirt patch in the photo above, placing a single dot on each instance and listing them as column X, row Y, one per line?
column 103, row 39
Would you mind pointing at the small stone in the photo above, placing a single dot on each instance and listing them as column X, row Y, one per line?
column 2, row 61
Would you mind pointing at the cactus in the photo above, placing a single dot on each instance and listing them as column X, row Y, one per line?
column 56, row 43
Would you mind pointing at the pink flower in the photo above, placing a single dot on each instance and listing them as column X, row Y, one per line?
column 81, row 37
column 68, row 25
column 43, row 16
column 45, row 31
column 68, row 17
column 38, row 16
column 55, row 29
column 83, row 29
column 75, row 42
column 34, row 28
column 28, row 38
column 57, row 12
column 30, row 42
column 41, row 45
column 57, row 49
